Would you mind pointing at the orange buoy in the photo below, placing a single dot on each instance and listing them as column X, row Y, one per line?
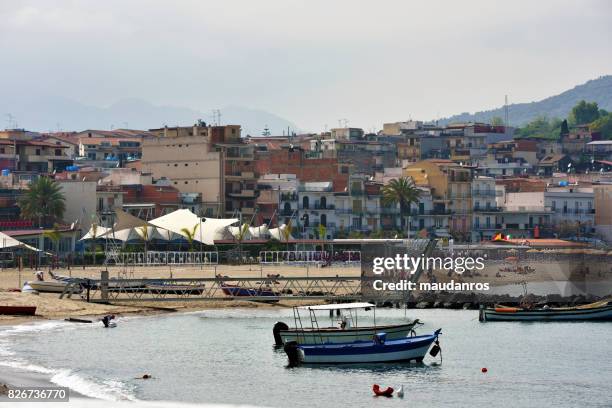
column 484, row 369
column 387, row 392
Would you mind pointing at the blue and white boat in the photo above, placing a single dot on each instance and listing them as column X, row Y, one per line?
column 378, row 350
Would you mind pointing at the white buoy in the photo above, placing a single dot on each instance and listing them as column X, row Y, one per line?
column 400, row 392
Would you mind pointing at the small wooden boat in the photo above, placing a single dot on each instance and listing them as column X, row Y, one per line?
column 51, row 287
column 76, row 320
column 594, row 311
column 346, row 327
column 18, row 310
column 378, row 350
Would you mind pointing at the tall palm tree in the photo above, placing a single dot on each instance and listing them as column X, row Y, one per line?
column 404, row 192
column 190, row 235
column 43, row 202
column 242, row 231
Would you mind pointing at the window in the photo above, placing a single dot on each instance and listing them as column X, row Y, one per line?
column 554, row 205
column 58, row 152
column 38, row 152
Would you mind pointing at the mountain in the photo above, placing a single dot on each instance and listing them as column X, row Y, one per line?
column 48, row 112
column 597, row 90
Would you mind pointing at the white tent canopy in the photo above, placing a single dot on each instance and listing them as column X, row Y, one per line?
column 279, row 233
column 235, row 231
column 127, row 234
column 259, row 232
column 217, row 229
column 95, row 231
column 205, row 230
column 10, row 242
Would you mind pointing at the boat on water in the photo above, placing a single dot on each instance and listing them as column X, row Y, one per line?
column 601, row 310
column 18, row 310
column 377, row 350
column 343, row 328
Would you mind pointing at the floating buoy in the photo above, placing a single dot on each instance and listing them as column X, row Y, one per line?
column 387, row 392
column 146, row 376
column 400, row 392
column 484, row 369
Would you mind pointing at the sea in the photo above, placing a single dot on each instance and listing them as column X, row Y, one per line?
column 226, row 356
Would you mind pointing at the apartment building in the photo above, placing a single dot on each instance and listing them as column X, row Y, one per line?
column 572, row 204
column 193, row 159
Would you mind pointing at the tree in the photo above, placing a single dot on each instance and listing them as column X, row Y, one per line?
column 541, row 127
column 190, row 235
column 286, row 233
column 404, row 192
column 564, row 128
column 43, row 202
column 497, row 121
column 322, row 231
column 603, row 125
column 144, row 232
column 242, row 231
column 584, row 112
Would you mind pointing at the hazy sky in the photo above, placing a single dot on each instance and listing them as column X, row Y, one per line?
column 312, row 62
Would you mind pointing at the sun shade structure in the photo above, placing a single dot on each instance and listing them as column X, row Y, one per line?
column 10, row 242
column 279, row 233
column 259, row 232
column 95, row 232
column 235, row 231
column 125, row 220
column 338, row 306
column 206, row 230
column 124, row 235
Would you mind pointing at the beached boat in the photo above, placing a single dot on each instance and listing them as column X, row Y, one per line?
column 18, row 310
column 377, row 350
column 594, row 311
column 239, row 291
column 50, row 286
column 344, row 328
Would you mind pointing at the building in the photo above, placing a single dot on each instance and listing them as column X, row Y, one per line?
column 485, row 208
column 20, row 152
column 450, row 185
column 347, row 133
column 572, row 205
column 602, row 197
column 189, row 158
column 81, row 204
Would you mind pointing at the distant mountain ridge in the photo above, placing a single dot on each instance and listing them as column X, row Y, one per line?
column 51, row 113
column 596, row 90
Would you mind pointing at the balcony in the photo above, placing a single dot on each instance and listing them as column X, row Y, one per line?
column 487, row 210
column 240, row 175
column 289, row 197
column 485, row 193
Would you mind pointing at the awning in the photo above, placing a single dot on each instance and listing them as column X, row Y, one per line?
column 10, row 242
column 95, row 232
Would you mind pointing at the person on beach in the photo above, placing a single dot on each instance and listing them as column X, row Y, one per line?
column 107, row 319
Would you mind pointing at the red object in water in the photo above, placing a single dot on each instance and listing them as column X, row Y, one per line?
column 387, row 392
column 484, row 369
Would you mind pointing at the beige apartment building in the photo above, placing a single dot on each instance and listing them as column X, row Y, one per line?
column 192, row 159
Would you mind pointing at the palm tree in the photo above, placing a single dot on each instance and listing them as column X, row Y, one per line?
column 54, row 235
column 404, row 192
column 190, row 235
column 286, row 233
column 242, row 231
column 43, row 202
column 144, row 232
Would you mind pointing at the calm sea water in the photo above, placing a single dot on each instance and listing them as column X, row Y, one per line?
column 226, row 356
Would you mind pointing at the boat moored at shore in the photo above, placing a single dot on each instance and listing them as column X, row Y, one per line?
column 601, row 310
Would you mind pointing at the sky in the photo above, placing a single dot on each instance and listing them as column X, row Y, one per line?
column 312, row 62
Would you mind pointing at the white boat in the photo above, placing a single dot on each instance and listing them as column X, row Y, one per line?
column 346, row 329
column 50, row 286
column 377, row 350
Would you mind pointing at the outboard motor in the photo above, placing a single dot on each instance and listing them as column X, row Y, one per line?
column 293, row 353
column 278, row 340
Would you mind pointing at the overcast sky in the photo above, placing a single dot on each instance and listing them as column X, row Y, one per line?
column 312, row 62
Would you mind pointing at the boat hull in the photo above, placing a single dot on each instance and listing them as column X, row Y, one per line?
column 232, row 290
column 18, row 310
column 336, row 335
column 567, row 314
column 50, row 287
column 408, row 349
